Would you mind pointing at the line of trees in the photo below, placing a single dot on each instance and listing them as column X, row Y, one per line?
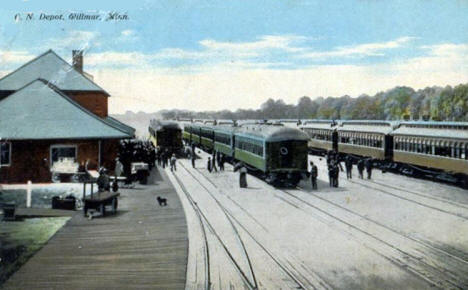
column 432, row 103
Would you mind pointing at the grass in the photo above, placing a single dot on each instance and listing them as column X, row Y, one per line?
column 21, row 239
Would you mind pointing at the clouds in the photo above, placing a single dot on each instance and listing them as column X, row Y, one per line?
column 9, row 57
column 127, row 35
column 216, row 74
column 74, row 39
column 222, row 87
column 274, row 51
column 361, row 50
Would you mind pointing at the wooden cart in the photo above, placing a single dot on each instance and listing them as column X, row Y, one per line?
column 99, row 201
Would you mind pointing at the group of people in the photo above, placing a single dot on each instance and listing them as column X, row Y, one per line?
column 134, row 151
column 367, row 164
column 334, row 167
column 218, row 159
column 165, row 158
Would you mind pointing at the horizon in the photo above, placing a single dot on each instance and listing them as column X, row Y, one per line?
column 230, row 56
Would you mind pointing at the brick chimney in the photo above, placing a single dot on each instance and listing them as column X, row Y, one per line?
column 77, row 56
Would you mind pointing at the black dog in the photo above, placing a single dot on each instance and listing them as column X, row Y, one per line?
column 162, row 201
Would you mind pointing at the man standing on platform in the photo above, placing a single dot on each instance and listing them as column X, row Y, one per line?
column 360, row 167
column 331, row 173
column 221, row 163
column 208, row 165
column 369, row 168
column 349, row 167
column 213, row 163
column 192, row 157
column 173, row 163
column 313, row 174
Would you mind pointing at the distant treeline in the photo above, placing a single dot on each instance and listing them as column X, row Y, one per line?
column 400, row 103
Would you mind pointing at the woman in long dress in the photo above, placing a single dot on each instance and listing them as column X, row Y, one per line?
column 243, row 177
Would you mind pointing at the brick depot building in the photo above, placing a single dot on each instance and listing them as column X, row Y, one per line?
column 50, row 109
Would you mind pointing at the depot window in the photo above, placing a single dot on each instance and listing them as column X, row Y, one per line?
column 59, row 152
column 5, row 154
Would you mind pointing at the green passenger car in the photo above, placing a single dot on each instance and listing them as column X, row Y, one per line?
column 279, row 152
column 224, row 140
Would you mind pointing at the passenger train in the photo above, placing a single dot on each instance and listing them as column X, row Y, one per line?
column 433, row 150
column 166, row 135
column 277, row 153
column 425, row 149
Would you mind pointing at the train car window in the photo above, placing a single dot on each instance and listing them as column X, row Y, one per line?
column 456, row 150
column 380, row 142
column 466, row 151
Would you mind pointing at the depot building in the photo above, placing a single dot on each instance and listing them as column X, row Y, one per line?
column 51, row 110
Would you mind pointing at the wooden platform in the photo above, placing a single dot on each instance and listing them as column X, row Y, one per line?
column 43, row 212
column 143, row 246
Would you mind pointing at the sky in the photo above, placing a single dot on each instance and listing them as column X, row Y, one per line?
column 231, row 54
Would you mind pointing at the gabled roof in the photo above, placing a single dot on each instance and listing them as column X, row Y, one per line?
column 119, row 125
column 41, row 111
column 53, row 68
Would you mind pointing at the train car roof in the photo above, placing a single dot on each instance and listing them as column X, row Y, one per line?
column 448, row 130
column 249, row 121
column 225, row 128
column 434, row 123
column 158, row 125
column 319, row 124
column 272, row 133
column 224, row 122
column 317, row 121
column 368, row 126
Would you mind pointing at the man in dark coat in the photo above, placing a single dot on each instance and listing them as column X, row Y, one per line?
column 349, row 167
column 163, row 159
column 213, row 163
column 369, row 168
column 331, row 173
column 360, row 167
column 221, row 162
column 336, row 174
column 208, row 164
column 313, row 174
column 193, row 159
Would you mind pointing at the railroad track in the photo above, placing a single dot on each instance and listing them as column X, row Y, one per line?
column 460, row 258
column 319, row 283
column 420, row 203
column 438, row 267
column 447, row 207
column 426, row 268
column 444, row 200
column 248, row 283
column 205, row 239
